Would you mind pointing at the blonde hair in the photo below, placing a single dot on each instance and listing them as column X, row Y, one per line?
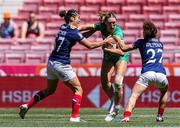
column 103, row 16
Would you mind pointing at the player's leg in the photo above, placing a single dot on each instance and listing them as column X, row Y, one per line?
column 162, row 84
column 50, row 89
column 136, row 92
column 162, row 103
column 75, row 86
column 106, row 72
column 120, row 69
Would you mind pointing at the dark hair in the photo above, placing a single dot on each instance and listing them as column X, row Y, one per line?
column 103, row 16
column 149, row 30
column 68, row 14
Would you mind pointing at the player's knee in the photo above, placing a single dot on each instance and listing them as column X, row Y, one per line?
column 106, row 86
column 118, row 83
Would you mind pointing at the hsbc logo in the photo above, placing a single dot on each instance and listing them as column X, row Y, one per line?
column 150, row 96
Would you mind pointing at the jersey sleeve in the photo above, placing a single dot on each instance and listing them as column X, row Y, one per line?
column 78, row 36
column 118, row 32
column 137, row 43
column 97, row 26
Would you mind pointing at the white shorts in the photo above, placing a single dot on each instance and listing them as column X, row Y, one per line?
column 150, row 77
column 57, row 70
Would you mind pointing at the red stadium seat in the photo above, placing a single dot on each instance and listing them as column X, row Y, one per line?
column 170, row 33
column 129, row 39
column 139, row 2
column 78, row 47
column 50, row 33
column 171, row 24
column 102, row 2
column 137, row 18
column 68, row 7
column 131, row 33
column 78, row 58
column 93, row 18
column 135, row 58
column 174, row 2
column 158, row 17
column 52, row 26
column 157, row 9
column 174, row 17
column 158, row 20
column 46, row 42
column 53, row 2
column 40, row 48
column 168, row 58
column 173, row 9
column 112, row 8
column 19, row 48
column 169, row 40
column 122, row 2
column 94, row 58
column 43, row 18
column 131, row 9
column 86, row 10
column 177, row 58
column 14, row 58
column 155, row 2
column 34, row 58
column 44, row 10
column 29, row 8
column 19, row 20
column 80, row 2
column 134, row 25
column 5, row 44
column 122, row 17
column 33, row 2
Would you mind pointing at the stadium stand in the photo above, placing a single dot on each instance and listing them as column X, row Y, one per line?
column 130, row 16
column 94, row 58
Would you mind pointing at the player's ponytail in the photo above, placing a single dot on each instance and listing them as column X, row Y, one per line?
column 67, row 15
column 62, row 13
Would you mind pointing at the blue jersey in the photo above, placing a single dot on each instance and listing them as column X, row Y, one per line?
column 151, row 53
column 66, row 38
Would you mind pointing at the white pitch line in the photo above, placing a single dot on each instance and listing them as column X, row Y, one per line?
column 60, row 115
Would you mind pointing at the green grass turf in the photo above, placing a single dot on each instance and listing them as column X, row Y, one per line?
column 43, row 117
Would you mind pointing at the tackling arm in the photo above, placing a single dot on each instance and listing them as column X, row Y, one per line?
column 122, row 45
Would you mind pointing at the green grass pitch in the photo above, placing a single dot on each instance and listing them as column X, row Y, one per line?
column 43, row 117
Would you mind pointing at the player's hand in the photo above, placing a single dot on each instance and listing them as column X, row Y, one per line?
column 109, row 40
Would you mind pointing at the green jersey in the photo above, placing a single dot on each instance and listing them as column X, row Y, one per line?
column 117, row 32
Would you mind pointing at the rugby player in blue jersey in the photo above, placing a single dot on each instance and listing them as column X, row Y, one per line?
column 153, row 72
column 59, row 68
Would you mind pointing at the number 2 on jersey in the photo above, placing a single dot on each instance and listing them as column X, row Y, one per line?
column 153, row 53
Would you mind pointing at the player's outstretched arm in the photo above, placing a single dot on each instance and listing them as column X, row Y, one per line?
column 85, row 27
column 91, row 45
column 88, row 33
column 122, row 45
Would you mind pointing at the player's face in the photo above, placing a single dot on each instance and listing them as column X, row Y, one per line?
column 110, row 24
column 76, row 20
